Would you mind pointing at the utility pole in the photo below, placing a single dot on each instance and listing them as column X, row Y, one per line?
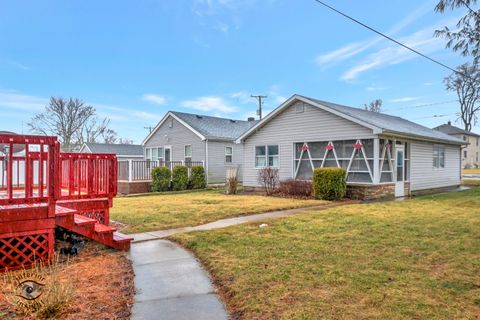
column 149, row 129
column 260, row 103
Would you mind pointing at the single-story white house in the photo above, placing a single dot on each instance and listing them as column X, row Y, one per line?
column 384, row 155
column 190, row 137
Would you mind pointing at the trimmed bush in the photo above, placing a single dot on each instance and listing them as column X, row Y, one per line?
column 296, row 188
column 197, row 178
column 161, row 177
column 180, row 178
column 329, row 183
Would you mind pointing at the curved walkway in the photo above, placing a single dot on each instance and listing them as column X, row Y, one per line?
column 171, row 284
column 223, row 223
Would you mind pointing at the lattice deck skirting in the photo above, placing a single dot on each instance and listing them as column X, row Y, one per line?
column 101, row 215
column 24, row 248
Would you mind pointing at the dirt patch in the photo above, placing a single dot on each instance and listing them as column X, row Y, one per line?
column 103, row 286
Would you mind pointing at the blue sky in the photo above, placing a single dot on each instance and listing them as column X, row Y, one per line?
column 133, row 61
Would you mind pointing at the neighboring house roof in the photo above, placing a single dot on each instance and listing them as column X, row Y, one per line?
column 131, row 150
column 380, row 123
column 452, row 130
column 207, row 127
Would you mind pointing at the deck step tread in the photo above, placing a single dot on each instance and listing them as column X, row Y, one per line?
column 120, row 237
column 82, row 220
column 64, row 211
column 101, row 228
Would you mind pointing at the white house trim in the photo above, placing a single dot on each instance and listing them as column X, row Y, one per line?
column 176, row 118
column 84, row 147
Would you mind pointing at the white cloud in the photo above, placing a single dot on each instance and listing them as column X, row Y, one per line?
column 429, row 83
column 353, row 49
column 154, row 98
column 17, row 101
column 209, row 104
column 394, row 54
column 242, row 97
column 404, row 99
column 374, row 88
column 18, row 65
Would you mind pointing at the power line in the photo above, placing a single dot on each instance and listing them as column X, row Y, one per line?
column 420, row 105
column 385, row 36
column 438, row 116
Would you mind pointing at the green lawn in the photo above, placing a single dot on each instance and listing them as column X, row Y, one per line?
column 163, row 211
column 415, row 259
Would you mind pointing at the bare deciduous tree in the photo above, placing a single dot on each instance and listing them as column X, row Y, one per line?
column 375, row 105
column 74, row 122
column 466, row 38
column 62, row 118
column 466, row 84
column 96, row 130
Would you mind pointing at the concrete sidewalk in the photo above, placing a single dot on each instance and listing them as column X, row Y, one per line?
column 171, row 284
column 223, row 223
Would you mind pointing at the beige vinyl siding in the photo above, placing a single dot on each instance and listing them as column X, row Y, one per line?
column 289, row 127
column 424, row 176
column 217, row 167
column 177, row 137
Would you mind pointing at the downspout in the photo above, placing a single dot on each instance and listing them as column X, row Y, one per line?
column 206, row 159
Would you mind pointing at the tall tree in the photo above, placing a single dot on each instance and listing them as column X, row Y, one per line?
column 466, row 84
column 73, row 121
column 466, row 37
column 375, row 105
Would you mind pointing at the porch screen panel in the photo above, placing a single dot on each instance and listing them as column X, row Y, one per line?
column 353, row 155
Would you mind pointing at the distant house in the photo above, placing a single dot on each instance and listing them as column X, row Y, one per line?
column 471, row 150
column 122, row 151
column 384, row 155
column 191, row 137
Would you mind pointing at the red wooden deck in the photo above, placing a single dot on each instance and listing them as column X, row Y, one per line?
column 41, row 188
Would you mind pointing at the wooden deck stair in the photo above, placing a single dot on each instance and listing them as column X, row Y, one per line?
column 71, row 220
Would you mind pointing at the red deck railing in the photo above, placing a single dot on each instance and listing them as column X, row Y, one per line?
column 84, row 176
column 27, row 178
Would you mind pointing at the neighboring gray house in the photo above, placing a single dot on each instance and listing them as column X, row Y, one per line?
column 183, row 136
column 122, row 151
column 384, row 155
column 471, row 151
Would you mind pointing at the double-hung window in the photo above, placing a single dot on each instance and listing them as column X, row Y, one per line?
column 148, row 154
column 228, row 154
column 266, row 156
column 188, row 153
column 438, row 156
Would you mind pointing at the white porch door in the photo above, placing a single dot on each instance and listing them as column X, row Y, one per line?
column 400, row 176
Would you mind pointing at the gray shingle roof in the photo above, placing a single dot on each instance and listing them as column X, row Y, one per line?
column 390, row 123
column 117, row 149
column 214, row 127
column 449, row 129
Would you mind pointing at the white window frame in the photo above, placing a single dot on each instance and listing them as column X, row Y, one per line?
column 438, row 153
column 266, row 156
column 185, row 152
column 229, row 154
column 148, row 154
column 160, row 154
